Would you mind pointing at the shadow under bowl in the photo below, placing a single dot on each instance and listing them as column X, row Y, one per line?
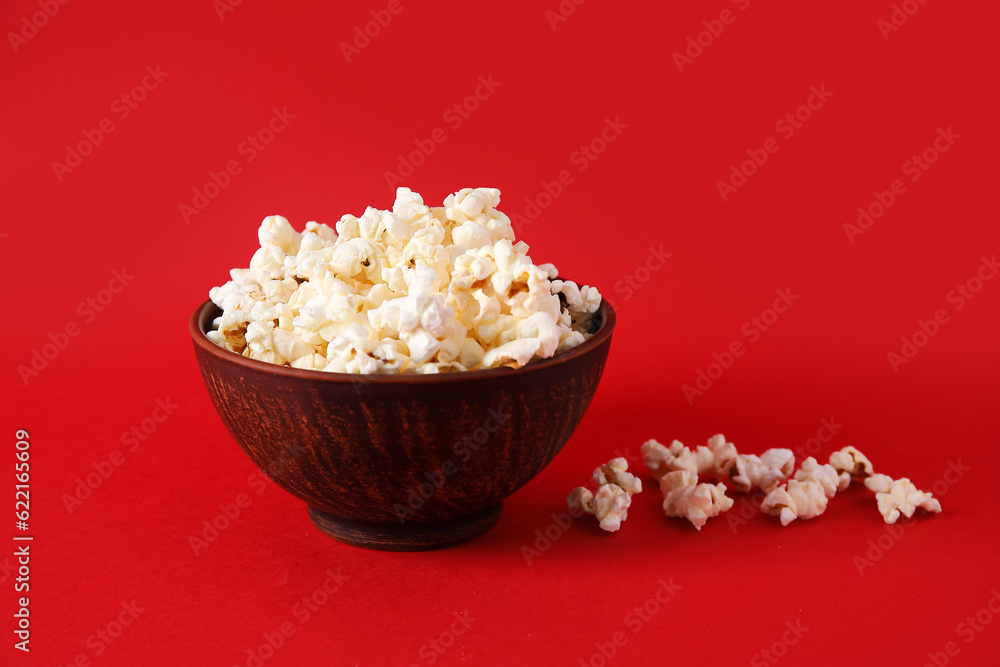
column 402, row 462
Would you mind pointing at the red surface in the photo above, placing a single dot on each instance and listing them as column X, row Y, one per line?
column 655, row 187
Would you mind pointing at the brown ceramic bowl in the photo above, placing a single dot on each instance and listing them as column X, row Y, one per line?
column 402, row 462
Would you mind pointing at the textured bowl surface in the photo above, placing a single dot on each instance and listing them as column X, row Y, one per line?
column 401, row 461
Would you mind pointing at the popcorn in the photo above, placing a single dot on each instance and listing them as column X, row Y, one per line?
column 610, row 505
column 900, row 496
column 795, row 500
column 660, row 460
column 415, row 289
column 581, row 499
column 615, row 471
column 825, row 475
column 723, row 451
column 274, row 345
column 580, row 301
column 748, row 471
column 805, row 496
column 851, row 461
column 420, row 321
column 684, row 497
column 614, row 495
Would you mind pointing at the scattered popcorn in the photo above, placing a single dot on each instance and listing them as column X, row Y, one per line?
column 795, row 500
column 660, row 460
column 415, row 289
column 900, row 496
column 825, row 475
column 614, row 495
column 685, row 497
column 807, row 494
column 853, row 462
column 804, row 496
column 764, row 472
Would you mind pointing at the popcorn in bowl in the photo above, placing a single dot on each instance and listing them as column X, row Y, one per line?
column 414, row 289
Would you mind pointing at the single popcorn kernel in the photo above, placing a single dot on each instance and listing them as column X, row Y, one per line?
column 615, row 471
column 581, row 499
column 724, row 453
column 900, row 496
column 825, row 475
column 685, row 497
column 614, row 495
column 795, row 500
column 659, row 460
column 414, row 289
column 851, row 461
column 610, row 505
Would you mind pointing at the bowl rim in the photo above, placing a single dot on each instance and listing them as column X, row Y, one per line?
column 200, row 320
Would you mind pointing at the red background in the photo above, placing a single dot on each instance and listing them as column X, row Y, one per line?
column 654, row 186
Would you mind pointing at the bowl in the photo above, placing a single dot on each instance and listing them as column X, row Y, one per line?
column 402, row 462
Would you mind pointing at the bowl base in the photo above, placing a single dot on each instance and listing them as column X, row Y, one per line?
column 409, row 536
